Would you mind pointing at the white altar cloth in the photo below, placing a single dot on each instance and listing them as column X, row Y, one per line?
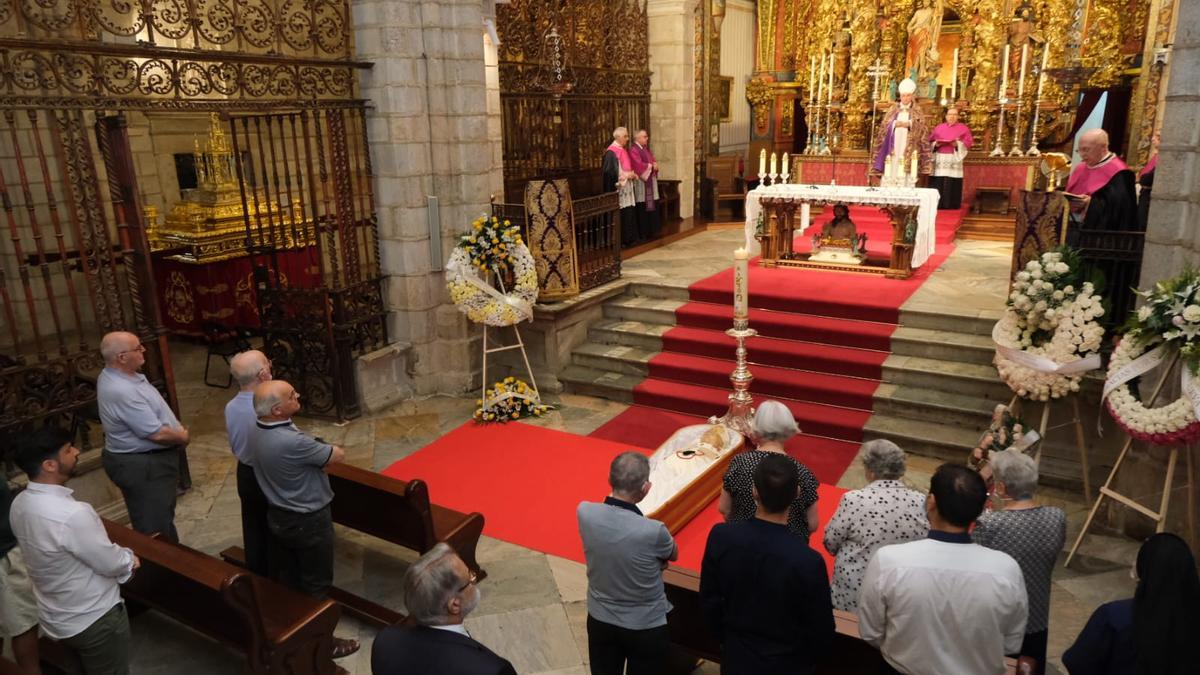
column 925, row 199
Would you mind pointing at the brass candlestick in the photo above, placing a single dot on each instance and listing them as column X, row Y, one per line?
column 740, row 416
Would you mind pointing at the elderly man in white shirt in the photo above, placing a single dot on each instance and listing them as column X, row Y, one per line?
column 944, row 605
column 75, row 568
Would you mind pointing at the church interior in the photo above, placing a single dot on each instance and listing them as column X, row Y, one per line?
column 494, row 244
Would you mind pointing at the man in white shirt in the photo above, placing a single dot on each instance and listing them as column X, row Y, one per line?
column 944, row 605
column 249, row 368
column 75, row 568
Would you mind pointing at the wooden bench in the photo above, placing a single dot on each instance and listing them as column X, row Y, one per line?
column 278, row 629
column 849, row 654
column 722, row 183
column 395, row 511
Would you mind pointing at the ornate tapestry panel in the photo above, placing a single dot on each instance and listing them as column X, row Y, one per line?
column 551, row 238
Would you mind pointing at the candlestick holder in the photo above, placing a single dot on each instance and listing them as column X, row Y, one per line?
column 1033, row 139
column 1017, row 151
column 740, row 416
column 998, row 151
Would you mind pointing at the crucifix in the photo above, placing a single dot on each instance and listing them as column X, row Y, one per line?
column 875, row 72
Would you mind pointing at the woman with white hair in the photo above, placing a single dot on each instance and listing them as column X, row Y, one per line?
column 1029, row 532
column 774, row 426
column 884, row 512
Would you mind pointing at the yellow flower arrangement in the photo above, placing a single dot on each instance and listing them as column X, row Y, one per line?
column 509, row 399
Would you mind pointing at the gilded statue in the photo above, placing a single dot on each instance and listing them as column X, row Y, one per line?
column 1021, row 32
column 924, row 28
column 842, row 40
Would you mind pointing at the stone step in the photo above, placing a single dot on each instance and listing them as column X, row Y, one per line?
column 943, row 345
column 613, row 358
column 642, row 309
column 601, row 384
column 968, row 379
column 980, row 323
column 660, row 290
column 933, row 406
column 646, row 336
column 984, row 235
column 924, row 438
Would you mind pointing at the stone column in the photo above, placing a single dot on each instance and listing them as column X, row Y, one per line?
column 430, row 137
column 672, row 94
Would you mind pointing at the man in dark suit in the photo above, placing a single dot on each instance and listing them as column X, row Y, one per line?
column 764, row 591
column 439, row 593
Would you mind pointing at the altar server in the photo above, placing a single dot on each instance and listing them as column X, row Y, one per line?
column 951, row 140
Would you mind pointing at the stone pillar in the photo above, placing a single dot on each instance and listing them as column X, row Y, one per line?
column 430, row 137
column 672, row 94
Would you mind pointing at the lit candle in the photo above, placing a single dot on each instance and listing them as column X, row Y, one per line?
column 913, row 172
column 1024, row 63
column 741, row 273
column 785, row 175
column 773, row 166
column 954, row 77
column 812, row 79
column 1004, row 72
column 1042, row 72
column 762, row 163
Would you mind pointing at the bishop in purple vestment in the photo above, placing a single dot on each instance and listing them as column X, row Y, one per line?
column 645, row 188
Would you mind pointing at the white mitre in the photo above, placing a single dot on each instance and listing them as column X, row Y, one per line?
column 907, row 86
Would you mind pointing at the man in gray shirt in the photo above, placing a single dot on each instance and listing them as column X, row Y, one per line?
column 290, row 468
column 142, row 436
column 626, row 553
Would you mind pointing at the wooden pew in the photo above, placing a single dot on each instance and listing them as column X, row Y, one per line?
column 278, row 629
column 849, row 654
column 395, row 511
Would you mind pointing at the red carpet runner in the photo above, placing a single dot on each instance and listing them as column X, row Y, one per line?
column 527, row 481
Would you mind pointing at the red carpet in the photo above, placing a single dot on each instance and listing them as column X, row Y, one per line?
column 488, row 469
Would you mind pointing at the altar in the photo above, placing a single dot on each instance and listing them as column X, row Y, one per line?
column 776, row 213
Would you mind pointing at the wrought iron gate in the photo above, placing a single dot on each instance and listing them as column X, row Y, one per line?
column 315, row 165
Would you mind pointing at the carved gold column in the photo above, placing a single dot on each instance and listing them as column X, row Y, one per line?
column 1151, row 87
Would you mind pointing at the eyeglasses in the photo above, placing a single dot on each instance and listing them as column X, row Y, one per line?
column 139, row 348
column 470, row 580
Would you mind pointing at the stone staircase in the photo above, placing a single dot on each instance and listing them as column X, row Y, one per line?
column 988, row 227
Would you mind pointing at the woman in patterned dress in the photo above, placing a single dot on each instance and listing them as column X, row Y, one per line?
column 1029, row 532
column 774, row 426
column 884, row 512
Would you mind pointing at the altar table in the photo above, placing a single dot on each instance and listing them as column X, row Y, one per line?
column 925, row 200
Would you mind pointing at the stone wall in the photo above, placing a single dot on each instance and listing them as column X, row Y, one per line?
column 672, row 93
column 434, row 133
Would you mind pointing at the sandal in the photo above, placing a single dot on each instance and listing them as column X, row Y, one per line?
column 343, row 647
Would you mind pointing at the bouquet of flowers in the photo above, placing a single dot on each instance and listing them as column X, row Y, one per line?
column 1049, row 337
column 509, row 399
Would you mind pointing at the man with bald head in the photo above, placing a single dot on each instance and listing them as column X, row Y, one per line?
column 249, row 369
column 142, row 436
column 1102, row 187
column 290, row 468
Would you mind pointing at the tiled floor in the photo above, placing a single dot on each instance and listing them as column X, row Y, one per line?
column 533, row 610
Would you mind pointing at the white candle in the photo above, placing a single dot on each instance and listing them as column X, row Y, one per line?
column 762, row 163
column 954, row 77
column 1024, row 63
column 887, row 169
column 785, row 175
column 772, row 164
column 1042, row 72
column 1004, row 72
column 913, row 173
column 821, row 80
column 741, row 273
column 812, row 79
column 829, row 100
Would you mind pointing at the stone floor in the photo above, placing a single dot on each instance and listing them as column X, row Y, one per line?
column 534, row 608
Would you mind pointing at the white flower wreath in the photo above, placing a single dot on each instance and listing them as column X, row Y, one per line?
column 470, row 264
column 1048, row 337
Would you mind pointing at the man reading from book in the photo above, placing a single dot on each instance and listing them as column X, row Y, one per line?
column 1100, row 189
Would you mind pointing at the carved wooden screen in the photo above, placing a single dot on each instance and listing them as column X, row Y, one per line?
column 311, row 227
column 570, row 72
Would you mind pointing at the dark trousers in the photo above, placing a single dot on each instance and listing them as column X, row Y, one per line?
column 648, row 223
column 628, row 224
column 148, row 482
column 949, row 191
column 611, row 647
column 1034, row 646
column 256, row 534
column 302, row 549
column 103, row 647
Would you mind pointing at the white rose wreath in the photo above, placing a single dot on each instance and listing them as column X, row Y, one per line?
column 1049, row 337
column 492, row 248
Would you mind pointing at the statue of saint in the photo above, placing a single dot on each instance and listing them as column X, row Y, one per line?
column 1021, row 32
column 924, row 28
column 903, row 134
column 842, row 40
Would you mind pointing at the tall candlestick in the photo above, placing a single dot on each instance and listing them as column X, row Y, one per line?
column 772, row 173
column 1024, row 63
column 1004, row 72
column 1042, row 71
column 741, row 274
column 829, row 99
column 812, row 79
column 821, row 80
column 954, row 77
column 784, row 175
column 762, row 164
column 875, row 76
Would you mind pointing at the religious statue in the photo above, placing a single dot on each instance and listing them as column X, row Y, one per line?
column 924, row 28
column 1021, row 32
column 839, row 241
column 901, row 146
column 842, row 40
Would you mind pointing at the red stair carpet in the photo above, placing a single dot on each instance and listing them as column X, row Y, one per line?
column 823, row 338
column 527, row 481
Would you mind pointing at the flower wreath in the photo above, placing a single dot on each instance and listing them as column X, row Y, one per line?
column 1049, row 337
column 509, row 399
column 1168, row 323
column 492, row 247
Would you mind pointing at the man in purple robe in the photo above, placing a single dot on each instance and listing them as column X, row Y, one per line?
column 903, row 134
column 951, row 140
column 1100, row 188
column 645, row 188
